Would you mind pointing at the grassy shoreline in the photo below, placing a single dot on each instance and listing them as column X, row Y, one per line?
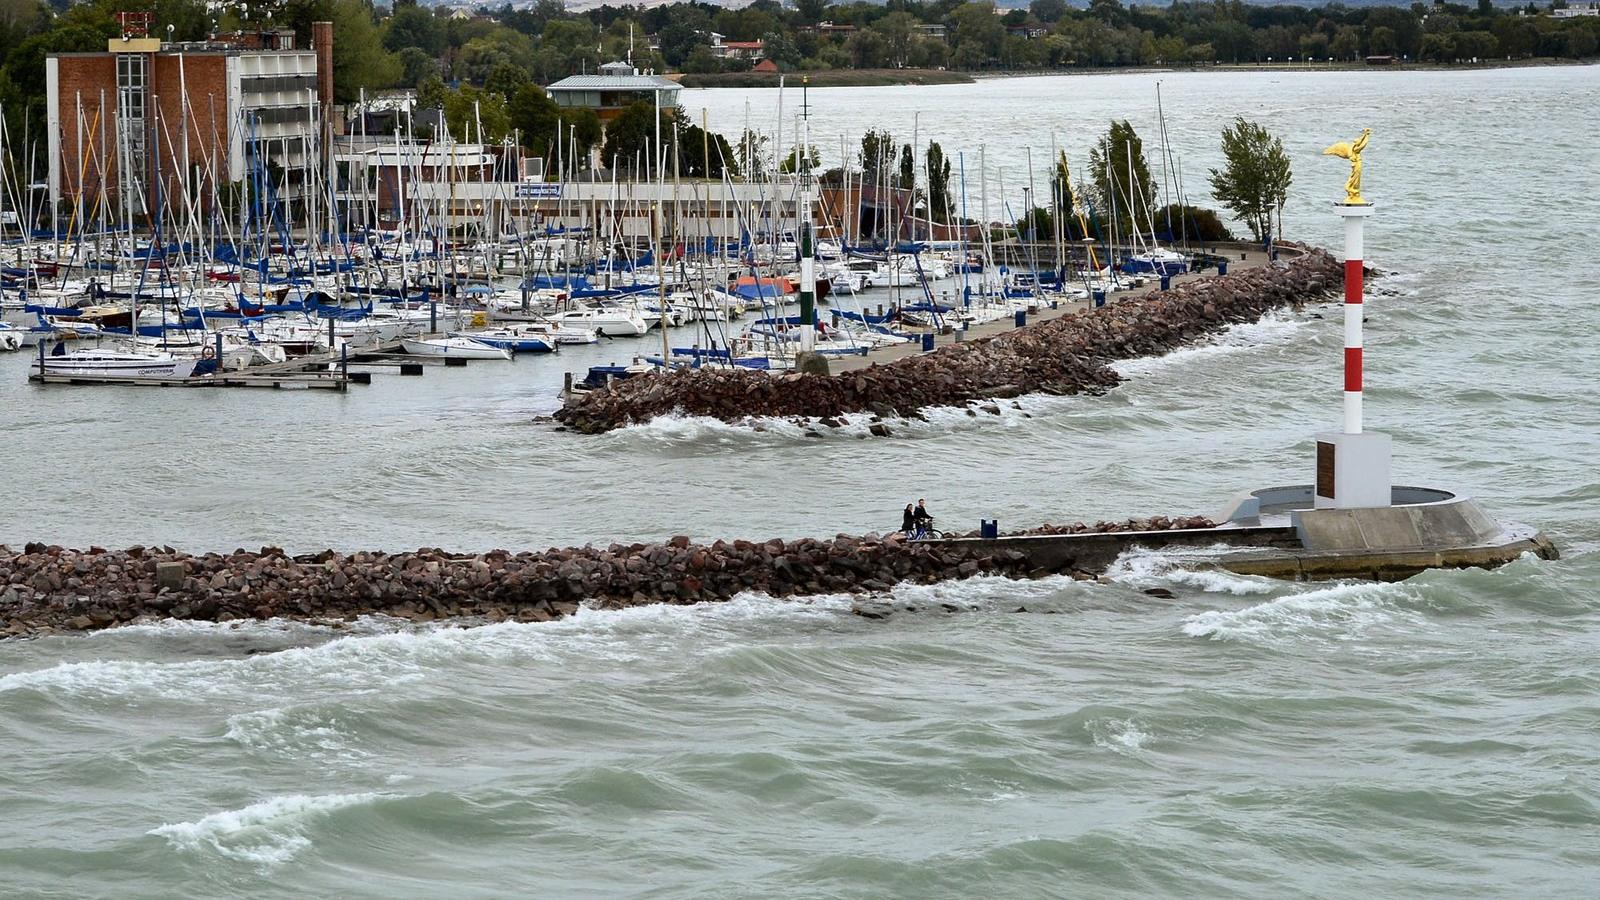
column 830, row 78
column 889, row 77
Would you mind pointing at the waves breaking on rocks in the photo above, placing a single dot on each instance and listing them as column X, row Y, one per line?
column 1065, row 356
column 45, row 588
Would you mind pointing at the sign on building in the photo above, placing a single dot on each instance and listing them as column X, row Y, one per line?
column 539, row 190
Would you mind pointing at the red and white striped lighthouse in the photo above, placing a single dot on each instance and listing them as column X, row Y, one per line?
column 1352, row 464
column 1355, row 219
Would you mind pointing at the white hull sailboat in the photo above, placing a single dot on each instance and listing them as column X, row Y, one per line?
column 118, row 364
column 458, row 347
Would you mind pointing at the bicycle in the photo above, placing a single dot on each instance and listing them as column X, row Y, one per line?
column 925, row 533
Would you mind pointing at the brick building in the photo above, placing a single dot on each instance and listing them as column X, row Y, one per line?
column 198, row 110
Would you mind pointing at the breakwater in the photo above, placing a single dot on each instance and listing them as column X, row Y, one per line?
column 1069, row 355
column 48, row 588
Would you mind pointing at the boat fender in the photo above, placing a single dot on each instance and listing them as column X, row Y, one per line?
column 208, row 353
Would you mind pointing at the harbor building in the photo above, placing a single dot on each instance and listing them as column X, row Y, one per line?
column 198, row 111
column 618, row 86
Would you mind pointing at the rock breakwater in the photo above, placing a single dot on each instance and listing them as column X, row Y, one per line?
column 1068, row 355
column 45, row 589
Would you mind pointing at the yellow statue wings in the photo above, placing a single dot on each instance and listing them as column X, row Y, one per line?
column 1352, row 151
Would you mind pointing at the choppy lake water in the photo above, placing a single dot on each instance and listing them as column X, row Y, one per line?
column 1250, row 738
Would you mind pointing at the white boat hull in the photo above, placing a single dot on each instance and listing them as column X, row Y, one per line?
column 460, row 348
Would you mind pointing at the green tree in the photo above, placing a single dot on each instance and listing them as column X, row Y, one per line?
column 476, row 115
column 1254, row 181
column 359, row 60
column 506, row 79
column 877, row 155
column 1115, row 154
column 631, row 138
column 1048, row 11
column 1346, row 43
column 415, row 65
column 537, row 120
column 939, row 200
column 583, row 131
column 1036, row 225
column 790, row 164
column 703, row 154
column 908, row 169
column 752, row 153
column 413, row 26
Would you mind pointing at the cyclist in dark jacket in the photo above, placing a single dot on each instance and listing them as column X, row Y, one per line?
column 908, row 521
column 923, row 517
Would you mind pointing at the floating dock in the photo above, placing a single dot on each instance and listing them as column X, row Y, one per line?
column 318, row 371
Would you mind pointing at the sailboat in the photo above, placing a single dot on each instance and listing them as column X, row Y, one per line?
column 116, row 364
column 458, row 347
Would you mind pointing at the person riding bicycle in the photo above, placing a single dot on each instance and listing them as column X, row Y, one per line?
column 923, row 517
column 908, row 521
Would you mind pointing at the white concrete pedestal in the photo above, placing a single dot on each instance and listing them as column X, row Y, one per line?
column 1352, row 470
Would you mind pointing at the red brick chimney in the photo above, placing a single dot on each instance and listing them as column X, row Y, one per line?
column 322, row 43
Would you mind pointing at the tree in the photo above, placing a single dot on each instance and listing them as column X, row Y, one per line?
column 790, row 164
column 1346, row 43
column 1117, row 152
column 752, row 153
column 976, row 35
column 476, row 115
column 537, row 120
column 415, row 65
column 1036, row 225
column 1049, row 11
column 679, row 39
column 506, row 79
column 583, row 131
column 877, row 155
column 359, row 60
column 701, row 153
column 939, row 202
column 415, row 27
column 908, row 169
column 1254, row 181
column 631, row 137
column 897, row 29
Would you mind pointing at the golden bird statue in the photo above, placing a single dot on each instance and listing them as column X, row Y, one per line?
column 1351, row 150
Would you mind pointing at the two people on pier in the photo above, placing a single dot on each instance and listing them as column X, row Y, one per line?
column 916, row 521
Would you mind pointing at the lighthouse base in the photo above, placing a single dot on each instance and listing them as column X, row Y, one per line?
column 1352, row 470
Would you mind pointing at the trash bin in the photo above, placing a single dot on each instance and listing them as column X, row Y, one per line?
column 927, row 342
column 1166, row 282
column 1099, row 298
column 1222, row 267
column 989, row 528
column 1021, row 317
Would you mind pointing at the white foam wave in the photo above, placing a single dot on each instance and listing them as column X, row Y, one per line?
column 293, row 732
column 942, row 420
column 378, row 662
column 1190, row 566
column 982, row 592
column 1339, row 612
column 1117, row 735
column 1276, row 327
column 267, row 833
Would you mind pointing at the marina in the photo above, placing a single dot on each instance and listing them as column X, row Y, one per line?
column 1127, row 708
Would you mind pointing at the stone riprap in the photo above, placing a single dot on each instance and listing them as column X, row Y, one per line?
column 45, row 589
column 1068, row 355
